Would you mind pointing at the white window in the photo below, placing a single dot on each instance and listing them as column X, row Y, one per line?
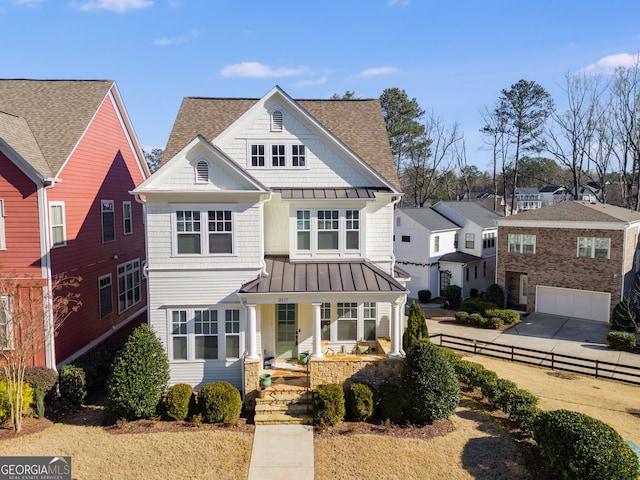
column 205, row 324
column 128, row 285
column 352, row 229
column 276, row 121
column 347, row 321
column 303, row 229
column 593, row 247
column 257, row 155
column 202, row 171
column 220, row 231
column 188, row 231
column 469, row 240
column 522, row 243
column 436, row 244
column 105, row 295
column 58, row 228
column 5, row 323
column 325, row 321
column 298, row 156
column 127, row 224
column 328, row 229
column 189, row 238
column 3, row 239
column 232, row 332
column 369, row 321
column 278, row 156
column 179, row 335
column 108, row 221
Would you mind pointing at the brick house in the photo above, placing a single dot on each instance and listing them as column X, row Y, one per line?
column 574, row 258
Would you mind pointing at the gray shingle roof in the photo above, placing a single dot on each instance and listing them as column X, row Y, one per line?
column 430, row 219
column 56, row 111
column 578, row 211
column 357, row 123
column 317, row 277
column 459, row 257
column 475, row 211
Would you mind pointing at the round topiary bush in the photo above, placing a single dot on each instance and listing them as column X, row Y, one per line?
column 138, row 377
column 580, row 447
column 328, row 404
column 496, row 323
column 359, row 402
column 73, row 385
column 391, row 402
column 430, row 384
column 219, row 402
column 462, row 317
column 178, row 400
column 494, row 294
column 424, row 296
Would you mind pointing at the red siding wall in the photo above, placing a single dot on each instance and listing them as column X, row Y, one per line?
column 103, row 167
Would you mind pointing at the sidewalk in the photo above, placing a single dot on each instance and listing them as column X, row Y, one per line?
column 282, row 452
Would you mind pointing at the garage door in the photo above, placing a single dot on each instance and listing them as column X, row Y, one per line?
column 573, row 303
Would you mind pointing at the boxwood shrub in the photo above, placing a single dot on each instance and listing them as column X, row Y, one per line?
column 469, row 373
column 424, row 296
column 177, row 401
column 328, row 404
column 220, row 402
column 580, row 447
column 477, row 305
column 429, row 382
column 509, row 317
column 462, row 317
column 495, row 323
column 391, row 402
column 73, row 384
column 359, row 402
column 522, row 408
column 623, row 341
column 494, row 294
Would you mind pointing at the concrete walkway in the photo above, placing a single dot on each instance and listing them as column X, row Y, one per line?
column 282, row 452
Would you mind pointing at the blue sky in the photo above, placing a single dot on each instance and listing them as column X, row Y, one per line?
column 453, row 56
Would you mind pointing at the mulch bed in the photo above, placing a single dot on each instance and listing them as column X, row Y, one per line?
column 424, row 432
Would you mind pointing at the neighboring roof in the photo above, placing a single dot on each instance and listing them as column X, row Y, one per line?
column 57, row 111
column 285, row 276
column 474, row 211
column 527, row 190
column 324, row 193
column 346, row 119
column 551, row 189
column 577, row 211
column 400, row 273
column 15, row 132
column 458, row 257
column 429, row 219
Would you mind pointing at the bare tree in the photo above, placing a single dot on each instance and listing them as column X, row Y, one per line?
column 31, row 315
column 495, row 135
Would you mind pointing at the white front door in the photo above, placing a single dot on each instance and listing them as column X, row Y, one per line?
column 524, row 287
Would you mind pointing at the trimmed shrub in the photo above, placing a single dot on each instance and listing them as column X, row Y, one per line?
column 509, row 317
column 429, row 382
column 580, row 447
column 96, row 366
column 494, row 294
column 328, row 404
column 477, row 305
column 73, row 384
column 391, row 402
column 5, row 409
column 424, row 296
column 416, row 327
column 522, row 408
column 470, row 373
column 177, row 401
column 462, row 317
column 359, row 402
column 220, row 402
column 41, row 377
column 475, row 319
column 495, row 323
column 453, row 356
column 623, row 341
column 453, row 294
column 624, row 317
column 139, row 376
column 495, row 388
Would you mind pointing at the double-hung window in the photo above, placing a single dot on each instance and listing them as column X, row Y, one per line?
column 179, row 334
column 469, row 240
column 128, row 284
column 219, row 228
column 188, row 231
column 58, row 229
column 220, row 231
column 205, row 323
column 108, row 221
column 257, row 155
column 278, row 155
column 127, row 224
column 325, row 321
column 303, row 227
column 522, row 243
column 298, row 156
column 232, row 332
column 105, row 295
column 593, row 247
column 352, row 229
column 328, row 229
column 347, row 321
column 436, row 244
column 5, row 323
column 369, row 321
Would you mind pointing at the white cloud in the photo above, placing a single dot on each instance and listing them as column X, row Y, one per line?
column 162, row 42
column 311, row 83
column 374, row 72
column 112, row 5
column 608, row 64
column 259, row 70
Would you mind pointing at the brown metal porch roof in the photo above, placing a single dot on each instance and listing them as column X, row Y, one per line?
column 324, row 193
column 285, row 276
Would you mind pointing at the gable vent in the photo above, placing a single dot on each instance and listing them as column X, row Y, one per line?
column 276, row 121
column 202, row 172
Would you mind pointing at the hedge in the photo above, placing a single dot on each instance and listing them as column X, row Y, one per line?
column 623, row 341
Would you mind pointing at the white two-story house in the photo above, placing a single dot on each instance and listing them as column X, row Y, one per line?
column 269, row 231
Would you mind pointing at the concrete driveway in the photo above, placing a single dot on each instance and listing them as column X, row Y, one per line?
column 556, row 327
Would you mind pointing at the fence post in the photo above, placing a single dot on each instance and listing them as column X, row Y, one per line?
column 597, row 368
column 474, row 345
column 552, row 360
column 512, row 353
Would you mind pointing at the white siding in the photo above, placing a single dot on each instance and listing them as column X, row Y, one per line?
column 379, row 233
column 276, row 228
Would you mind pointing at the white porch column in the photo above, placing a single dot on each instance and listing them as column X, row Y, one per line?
column 252, row 337
column 317, row 331
column 395, row 330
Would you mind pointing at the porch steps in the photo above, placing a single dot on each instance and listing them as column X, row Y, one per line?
column 290, row 406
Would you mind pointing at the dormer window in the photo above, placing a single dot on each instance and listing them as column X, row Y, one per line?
column 202, row 172
column 276, row 121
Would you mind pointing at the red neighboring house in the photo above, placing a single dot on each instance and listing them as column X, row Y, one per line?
column 68, row 158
